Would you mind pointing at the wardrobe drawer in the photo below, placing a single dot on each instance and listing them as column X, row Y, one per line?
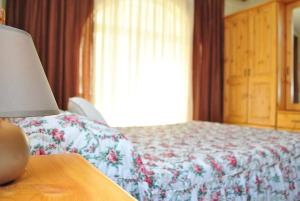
column 289, row 120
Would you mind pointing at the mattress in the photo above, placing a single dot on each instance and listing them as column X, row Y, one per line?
column 210, row 161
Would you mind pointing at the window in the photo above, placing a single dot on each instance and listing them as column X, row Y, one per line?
column 142, row 61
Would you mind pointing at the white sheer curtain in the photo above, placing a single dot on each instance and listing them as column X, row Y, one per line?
column 143, row 56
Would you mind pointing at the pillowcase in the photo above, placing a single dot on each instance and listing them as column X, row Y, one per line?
column 83, row 107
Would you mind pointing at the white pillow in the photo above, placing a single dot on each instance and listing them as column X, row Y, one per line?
column 82, row 107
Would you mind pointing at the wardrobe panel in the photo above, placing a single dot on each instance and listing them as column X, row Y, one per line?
column 262, row 65
column 236, row 63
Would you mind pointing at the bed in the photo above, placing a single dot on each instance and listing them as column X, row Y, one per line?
column 191, row 161
column 210, row 161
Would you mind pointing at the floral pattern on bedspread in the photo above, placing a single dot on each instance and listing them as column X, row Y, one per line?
column 216, row 162
column 104, row 147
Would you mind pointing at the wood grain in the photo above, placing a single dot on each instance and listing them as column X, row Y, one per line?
column 235, row 67
column 2, row 16
column 263, row 65
column 286, row 1
column 62, row 177
column 281, row 46
column 288, row 120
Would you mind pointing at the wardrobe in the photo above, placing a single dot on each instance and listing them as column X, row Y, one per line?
column 262, row 66
column 250, row 66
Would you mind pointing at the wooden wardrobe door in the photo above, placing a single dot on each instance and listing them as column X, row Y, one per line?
column 262, row 65
column 236, row 62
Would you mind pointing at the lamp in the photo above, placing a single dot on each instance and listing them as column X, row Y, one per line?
column 24, row 92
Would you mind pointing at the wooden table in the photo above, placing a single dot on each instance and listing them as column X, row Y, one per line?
column 62, row 177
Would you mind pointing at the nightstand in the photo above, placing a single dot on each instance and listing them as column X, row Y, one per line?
column 62, row 177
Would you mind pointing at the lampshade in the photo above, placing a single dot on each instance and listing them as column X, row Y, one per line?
column 24, row 88
column 24, row 92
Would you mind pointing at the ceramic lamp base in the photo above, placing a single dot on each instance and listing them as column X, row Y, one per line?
column 14, row 152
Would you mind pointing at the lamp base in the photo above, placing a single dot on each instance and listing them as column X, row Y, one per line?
column 14, row 152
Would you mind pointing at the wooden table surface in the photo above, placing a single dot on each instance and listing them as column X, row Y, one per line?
column 62, row 177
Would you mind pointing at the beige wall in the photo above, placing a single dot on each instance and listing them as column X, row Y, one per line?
column 233, row 6
column 2, row 3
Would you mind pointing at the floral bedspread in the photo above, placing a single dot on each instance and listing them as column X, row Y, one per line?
column 192, row 161
column 104, row 147
column 217, row 162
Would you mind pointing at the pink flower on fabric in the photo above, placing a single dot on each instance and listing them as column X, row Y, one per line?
column 232, row 160
column 216, row 166
column 238, row 189
column 258, row 181
column 262, row 153
column 247, row 188
column 150, row 157
column 203, row 189
column 274, row 152
column 175, row 175
column 197, row 169
column 40, row 151
column 71, row 119
column 191, row 157
column 165, row 145
column 292, row 186
column 289, row 173
column 143, row 169
column 35, row 123
column 58, row 135
column 215, row 196
column 139, row 161
column 74, row 150
column 52, row 146
column 151, row 163
column 148, row 180
column 230, row 145
column 92, row 148
column 283, row 149
column 100, row 122
column 169, row 154
column 112, row 156
column 114, row 137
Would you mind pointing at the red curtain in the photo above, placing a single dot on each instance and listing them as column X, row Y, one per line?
column 56, row 28
column 208, row 60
